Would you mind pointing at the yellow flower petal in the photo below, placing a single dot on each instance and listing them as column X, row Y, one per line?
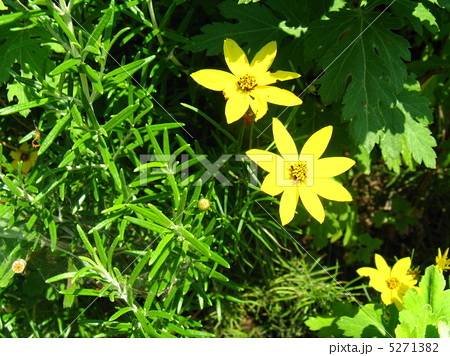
column 243, row 84
column 366, row 271
column 24, row 147
column 264, row 58
column 279, row 76
column 330, row 189
column 26, row 166
column 271, row 187
column 312, row 203
column 265, row 159
column 235, row 57
column 386, row 297
column 318, row 142
column 332, row 166
column 382, row 266
column 377, row 280
column 283, row 140
column 258, row 106
column 214, row 79
column 288, row 204
column 401, row 267
column 277, row 96
column 236, row 107
column 15, row 155
column 393, row 291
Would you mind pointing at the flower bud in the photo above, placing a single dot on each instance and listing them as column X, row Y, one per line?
column 204, row 204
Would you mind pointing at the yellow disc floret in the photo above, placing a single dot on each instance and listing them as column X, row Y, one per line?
column 247, row 82
column 393, row 283
column 298, row 172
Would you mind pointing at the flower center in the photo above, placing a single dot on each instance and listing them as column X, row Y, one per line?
column 393, row 283
column 247, row 82
column 24, row 156
column 298, row 172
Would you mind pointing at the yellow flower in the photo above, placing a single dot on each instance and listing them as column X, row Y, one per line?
column 442, row 262
column 22, row 154
column 391, row 283
column 306, row 175
column 247, row 86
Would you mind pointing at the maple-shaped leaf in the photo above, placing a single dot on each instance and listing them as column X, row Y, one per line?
column 364, row 59
column 441, row 3
column 24, row 46
column 405, row 132
column 326, row 325
column 368, row 322
column 254, row 25
column 424, row 311
column 417, row 13
column 257, row 26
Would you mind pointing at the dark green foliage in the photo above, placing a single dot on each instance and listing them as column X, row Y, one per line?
column 107, row 216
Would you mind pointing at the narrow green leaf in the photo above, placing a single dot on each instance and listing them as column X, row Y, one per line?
column 181, row 205
column 147, row 224
column 187, row 332
column 19, row 107
column 152, row 213
column 53, row 234
column 114, row 208
column 76, row 115
column 107, row 159
column 120, row 117
column 21, row 15
column 119, row 313
column 83, row 139
column 161, row 127
column 94, row 38
column 86, row 242
column 31, row 221
column 64, row 66
column 64, row 27
column 162, row 256
column 68, row 159
column 155, row 143
column 161, row 246
column 145, row 325
column 91, row 49
column 105, row 222
column 100, row 247
column 54, row 133
column 12, row 187
column 92, row 75
column 219, row 259
column 139, row 267
column 49, row 188
column 60, row 277
column 210, row 272
column 88, row 292
column 115, row 174
column 125, row 72
column 155, row 314
column 166, row 144
column 196, row 244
